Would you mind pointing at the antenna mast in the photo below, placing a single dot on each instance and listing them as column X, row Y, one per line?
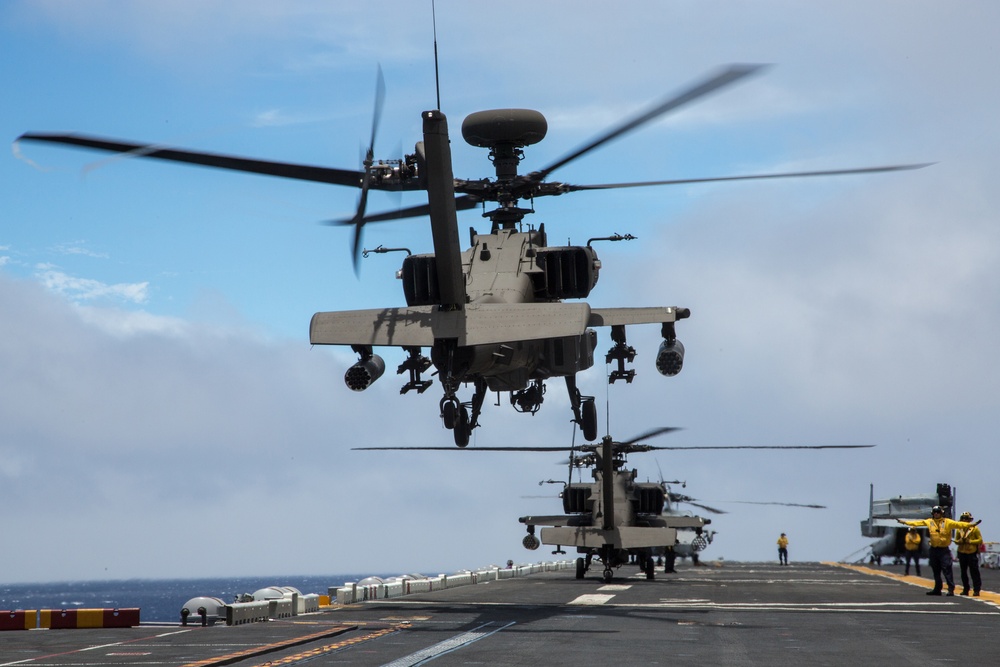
column 437, row 80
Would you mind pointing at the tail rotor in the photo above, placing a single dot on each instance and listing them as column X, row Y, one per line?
column 359, row 218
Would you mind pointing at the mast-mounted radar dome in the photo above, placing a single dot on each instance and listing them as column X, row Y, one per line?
column 515, row 127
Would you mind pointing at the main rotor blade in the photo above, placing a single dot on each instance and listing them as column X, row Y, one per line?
column 466, row 449
column 650, row 434
column 707, row 508
column 652, row 447
column 727, row 76
column 462, row 203
column 795, row 174
column 297, row 172
column 359, row 225
column 592, row 446
column 359, row 217
column 750, row 502
column 379, row 103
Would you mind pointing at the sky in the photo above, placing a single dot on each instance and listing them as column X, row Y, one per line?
column 162, row 413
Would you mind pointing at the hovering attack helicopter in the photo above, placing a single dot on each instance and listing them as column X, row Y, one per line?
column 615, row 519
column 493, row 315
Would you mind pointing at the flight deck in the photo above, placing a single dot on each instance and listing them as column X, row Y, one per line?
column 715, row 614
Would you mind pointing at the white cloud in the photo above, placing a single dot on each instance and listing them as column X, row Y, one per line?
column 181, row 36
column 87, row 289
column 281, row 117
column 125, row 324
column 15, row 148
column 143, row 425
column 78, row 248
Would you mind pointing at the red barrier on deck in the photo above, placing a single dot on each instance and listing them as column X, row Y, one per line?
column 59, row 619
column 121, row 618
column 18, row 620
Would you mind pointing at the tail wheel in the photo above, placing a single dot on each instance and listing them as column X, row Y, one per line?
column 581, row 567
column 648, row 567
column 608, row 575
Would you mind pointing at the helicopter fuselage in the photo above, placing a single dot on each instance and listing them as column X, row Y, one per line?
column 612, row 519
column 510, row 267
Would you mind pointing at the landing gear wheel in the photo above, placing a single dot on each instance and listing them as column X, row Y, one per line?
column 449, row 412
column 581, row 567
column 589, row 414
column 608, row 575
column 648, row 568
column 462, row 430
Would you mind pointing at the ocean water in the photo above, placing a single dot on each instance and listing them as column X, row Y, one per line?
column 160, row 600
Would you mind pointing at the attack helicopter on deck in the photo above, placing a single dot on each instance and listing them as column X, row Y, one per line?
column 623, row 520
column 613, row 519
column 495, row 315
column 690, row 540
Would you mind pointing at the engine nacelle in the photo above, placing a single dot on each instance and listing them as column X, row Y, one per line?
column 419, row 275
column 670, row 357
column 361, row 375
column 576, row 498
column 566, row 272
column 649, row 498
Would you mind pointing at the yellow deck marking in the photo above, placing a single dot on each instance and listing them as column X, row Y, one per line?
column 268, row 648
column 329, row 648
column 984, row 595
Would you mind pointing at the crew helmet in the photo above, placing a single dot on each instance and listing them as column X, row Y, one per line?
column 966, row 516
column 937, row 509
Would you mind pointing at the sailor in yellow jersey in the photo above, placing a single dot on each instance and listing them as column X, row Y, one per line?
column 967, row 542
column 783, row 550
column 912, row 545
column 939, row 528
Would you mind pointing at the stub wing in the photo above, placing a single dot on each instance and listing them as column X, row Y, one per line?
column 679, row 521
column 624, row 537
column 477, row 324
column 608, row 317
column 557, row 520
